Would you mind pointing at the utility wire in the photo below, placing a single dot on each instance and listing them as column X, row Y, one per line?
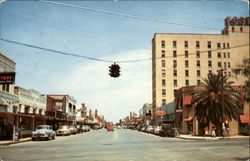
column 127, row 15
column 109, row 61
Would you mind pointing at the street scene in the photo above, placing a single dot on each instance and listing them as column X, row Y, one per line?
column 126, row 145
column 119, row 80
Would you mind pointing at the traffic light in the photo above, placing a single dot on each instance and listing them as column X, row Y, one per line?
column 114, row 70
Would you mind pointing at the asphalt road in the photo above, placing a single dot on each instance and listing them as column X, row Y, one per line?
column 125, row 145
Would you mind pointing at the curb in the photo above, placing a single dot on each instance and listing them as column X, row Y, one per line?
column 15, row 142
column 226, row 138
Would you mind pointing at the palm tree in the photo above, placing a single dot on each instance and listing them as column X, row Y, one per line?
column 216, row 101
column 244, row 70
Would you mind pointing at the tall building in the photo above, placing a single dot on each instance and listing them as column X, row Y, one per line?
column 184, row 59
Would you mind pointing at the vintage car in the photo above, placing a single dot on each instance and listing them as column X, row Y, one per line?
column 85, row 128
column 63, row 130
column 43, row 132
column 73, row 129
column 110, row 128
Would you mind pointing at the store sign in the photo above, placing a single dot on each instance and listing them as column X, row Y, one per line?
column 160, row 113
column 7, row 77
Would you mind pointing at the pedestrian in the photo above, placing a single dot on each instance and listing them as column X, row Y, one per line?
column 213, row 132
column 228, row 131
column 206, row 131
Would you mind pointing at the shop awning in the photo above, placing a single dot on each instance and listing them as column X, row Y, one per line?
column 244, row 119
column 187, row 100
column 17, row 114
column 189, row 119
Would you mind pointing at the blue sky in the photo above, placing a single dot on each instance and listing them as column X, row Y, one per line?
column 99, row 35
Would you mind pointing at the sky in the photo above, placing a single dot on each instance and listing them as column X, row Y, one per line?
column 85, row 28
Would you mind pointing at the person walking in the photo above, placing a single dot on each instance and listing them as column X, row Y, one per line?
column 213, row 132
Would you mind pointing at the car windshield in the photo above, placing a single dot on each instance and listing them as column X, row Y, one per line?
column 42, row 127
column 63, row 127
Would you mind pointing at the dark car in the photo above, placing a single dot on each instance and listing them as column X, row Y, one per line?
column 167, row 130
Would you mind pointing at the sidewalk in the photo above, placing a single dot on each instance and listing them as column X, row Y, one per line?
column 9, row 142
column 191, row 137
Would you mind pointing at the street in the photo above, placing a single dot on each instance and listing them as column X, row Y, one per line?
column 125, row 145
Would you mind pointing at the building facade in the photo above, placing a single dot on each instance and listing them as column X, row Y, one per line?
column 180, row 60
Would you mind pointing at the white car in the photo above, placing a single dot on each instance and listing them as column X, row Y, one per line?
column 63, row 130
column 43, row 132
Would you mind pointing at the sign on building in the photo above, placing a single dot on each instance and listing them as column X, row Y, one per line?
column 7, row 77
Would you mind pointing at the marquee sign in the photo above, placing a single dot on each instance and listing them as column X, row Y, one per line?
column 7, row 77
column 160, row 113
column 237, row 21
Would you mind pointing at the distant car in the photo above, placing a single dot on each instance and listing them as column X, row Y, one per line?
column 73, row 129
column 167, row 130
column 43, row 132
column 149, row 128
column 85, row 128
column 110, row 128
column 63, row 131
column 157, row 130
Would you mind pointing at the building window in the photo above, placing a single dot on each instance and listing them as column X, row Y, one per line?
column 186, row 44
column 174, row 44
column 187, row 73
column 175, row 83
column 219, row 54
column 186, row 64
column 219, row 65
column 163, row 73
column 163, row 82
column 26, row 109
column 198, row 54
column 218, row 45
column 233, row 29
column 198, row 82
column 198, row 73
column 229, row 74
column 241, row 29
column 162, row 44
column 163, row 101
column 224, row 55
column 163, row 53
column 34, row 111
column 198, row 64
column 228, row 64
column 163, row 92
column 186, row 54
column 228, row 55
column 228, row 45
column 209, row 54
column 197, row 44
column 14, row 109
column 187, row 82
column 209, row 45
column 175, row 73
column 174, row 63
column 163, row 63
column 174, row 53
column 224, row 46
column 210, row 64
column 225, row 64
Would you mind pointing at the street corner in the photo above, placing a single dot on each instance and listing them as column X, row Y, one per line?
column 3, row 143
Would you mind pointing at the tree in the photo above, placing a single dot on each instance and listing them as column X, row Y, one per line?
column 244, row 70
column 216, row 101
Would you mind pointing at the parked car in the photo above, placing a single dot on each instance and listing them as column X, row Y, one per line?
column 72, row 129
column 63, row 130
column 110, row 128
column 149, row 128
column 43, row 132
column 85, row 128
column 167, row 130
column 157, row 130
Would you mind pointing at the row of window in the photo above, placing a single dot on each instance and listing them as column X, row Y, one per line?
column 197, row 44
column 198, row 73
column 198, row 64
column 198, row 54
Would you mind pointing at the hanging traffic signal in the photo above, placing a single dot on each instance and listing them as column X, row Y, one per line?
column 114, row 70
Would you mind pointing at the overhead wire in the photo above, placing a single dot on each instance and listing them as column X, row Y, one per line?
column 110, row 61
column 130, row 16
